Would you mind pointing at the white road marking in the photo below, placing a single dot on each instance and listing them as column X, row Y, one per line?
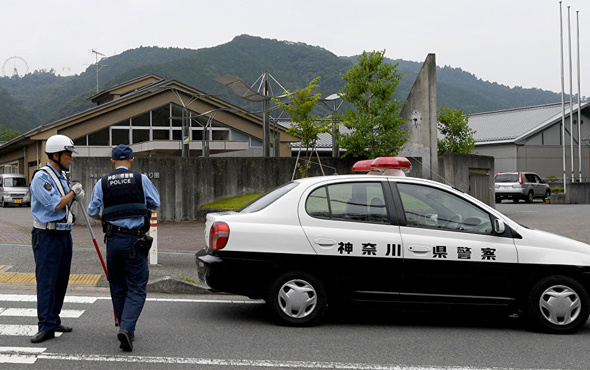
column 21, row 330
column 87, row 299
column 33, row 298
column 19, row 355
column 32, row 312
column 227, row 362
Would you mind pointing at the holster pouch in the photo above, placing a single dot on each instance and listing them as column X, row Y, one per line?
column 142, row 245
column 108, row 229
column 35, row 242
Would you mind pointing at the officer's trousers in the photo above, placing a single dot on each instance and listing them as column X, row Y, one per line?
column 128, row 278
column 53, row 258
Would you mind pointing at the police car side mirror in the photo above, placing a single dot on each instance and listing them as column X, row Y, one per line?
column 499, row 226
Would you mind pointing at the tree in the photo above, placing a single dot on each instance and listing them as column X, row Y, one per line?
column 305, row 124
column 375, row 122
column 457, row 136
column 8, row 134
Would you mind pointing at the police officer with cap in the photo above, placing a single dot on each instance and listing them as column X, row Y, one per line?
column 51, row 202
column 126, row 198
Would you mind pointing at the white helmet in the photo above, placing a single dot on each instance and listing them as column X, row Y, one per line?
column 59, row 143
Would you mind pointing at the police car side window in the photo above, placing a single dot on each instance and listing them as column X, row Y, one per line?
column 433, row 208
column 364, row 202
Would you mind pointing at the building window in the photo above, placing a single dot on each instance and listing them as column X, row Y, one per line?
column 124, row 123
column 176, row 115
column 139, row 136
column 99, row 138
column 161, row 117
column 81, row 141
column 142, row 120
column 161, row 134
column 120, row 136
column 220, row 135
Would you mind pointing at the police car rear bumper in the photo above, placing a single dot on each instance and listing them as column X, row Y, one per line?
column 236, row 276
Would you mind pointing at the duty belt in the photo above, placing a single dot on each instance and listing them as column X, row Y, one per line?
column 124, row 230
column 52, row 226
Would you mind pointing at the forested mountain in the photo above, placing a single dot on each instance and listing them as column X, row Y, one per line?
column 42, row 97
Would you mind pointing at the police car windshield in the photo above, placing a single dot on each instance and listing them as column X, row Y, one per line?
column 507, row 177
column 264, row 200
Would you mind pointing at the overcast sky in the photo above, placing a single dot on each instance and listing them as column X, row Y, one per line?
column 511, row 42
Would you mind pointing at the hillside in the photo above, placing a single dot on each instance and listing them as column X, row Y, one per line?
column 43, row 97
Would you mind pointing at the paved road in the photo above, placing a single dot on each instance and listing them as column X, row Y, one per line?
column 236, row 333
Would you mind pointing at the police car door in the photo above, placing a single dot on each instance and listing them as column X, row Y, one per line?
column 349, row 225
column 451, row 254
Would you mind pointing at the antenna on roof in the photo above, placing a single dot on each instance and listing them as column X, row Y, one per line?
column 264, row 94
column 97, row 66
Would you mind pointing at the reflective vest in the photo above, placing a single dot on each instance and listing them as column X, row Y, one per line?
column 123, row 195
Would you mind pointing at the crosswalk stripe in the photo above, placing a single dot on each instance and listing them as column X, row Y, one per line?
column 32, row 312
column 21, row 330
column 33, row 298
column 233, row 363
column 19, row 355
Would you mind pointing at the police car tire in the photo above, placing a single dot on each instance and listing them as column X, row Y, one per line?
column 557, row 287
column 308, row 299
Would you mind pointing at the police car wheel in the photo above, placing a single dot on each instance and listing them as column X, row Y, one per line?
column 297, row 299
column 558, row 304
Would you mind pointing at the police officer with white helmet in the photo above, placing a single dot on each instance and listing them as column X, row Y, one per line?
column 51, row 202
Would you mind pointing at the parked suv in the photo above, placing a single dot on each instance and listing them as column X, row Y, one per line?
column 520, row 185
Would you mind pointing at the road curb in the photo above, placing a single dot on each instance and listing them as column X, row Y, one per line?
column 171, row 285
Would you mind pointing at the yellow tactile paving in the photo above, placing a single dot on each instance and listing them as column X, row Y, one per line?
column 1, row 267
column 29, row 278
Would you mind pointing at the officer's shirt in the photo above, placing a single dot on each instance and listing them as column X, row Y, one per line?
column 152, row 199
column 45, row 196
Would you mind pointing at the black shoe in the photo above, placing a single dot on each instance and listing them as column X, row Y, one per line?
column 126, row 340
column 42, row 336
column 63, row 329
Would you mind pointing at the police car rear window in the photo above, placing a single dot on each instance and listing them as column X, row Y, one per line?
column 266, row 199
column 507, row 177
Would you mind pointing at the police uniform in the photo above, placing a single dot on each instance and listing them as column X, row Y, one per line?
column 52, row 244
column 126, row 198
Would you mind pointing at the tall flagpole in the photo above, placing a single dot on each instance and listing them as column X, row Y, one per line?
column 562, row 99
column 579, row 102
column 569, row 38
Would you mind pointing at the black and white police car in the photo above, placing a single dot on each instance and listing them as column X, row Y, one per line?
column 381, row 240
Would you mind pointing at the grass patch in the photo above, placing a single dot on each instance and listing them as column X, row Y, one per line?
column 236, row 202
column 189, row 279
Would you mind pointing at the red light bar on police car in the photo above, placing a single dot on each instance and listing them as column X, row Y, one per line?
column 382, row 164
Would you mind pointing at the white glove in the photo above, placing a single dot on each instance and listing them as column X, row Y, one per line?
column 78, row 191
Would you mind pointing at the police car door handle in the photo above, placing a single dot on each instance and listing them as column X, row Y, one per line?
column 323, row 242
column 419, row 249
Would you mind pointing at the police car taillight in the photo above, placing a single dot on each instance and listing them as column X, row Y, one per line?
column 389, row 166
column 218, row 235
column 520, row 178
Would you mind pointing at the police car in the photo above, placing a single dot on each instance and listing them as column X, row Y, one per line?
column 392, row 241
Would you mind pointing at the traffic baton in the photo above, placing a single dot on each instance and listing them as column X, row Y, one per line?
column 104, row 267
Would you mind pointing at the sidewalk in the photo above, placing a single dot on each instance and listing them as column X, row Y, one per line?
column 177, row 245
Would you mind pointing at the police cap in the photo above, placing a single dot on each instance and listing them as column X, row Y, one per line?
column 122, row 152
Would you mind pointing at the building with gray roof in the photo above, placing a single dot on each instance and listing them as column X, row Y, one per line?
column 530, row 139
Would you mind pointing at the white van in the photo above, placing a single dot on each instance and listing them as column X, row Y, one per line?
column 14, row 189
